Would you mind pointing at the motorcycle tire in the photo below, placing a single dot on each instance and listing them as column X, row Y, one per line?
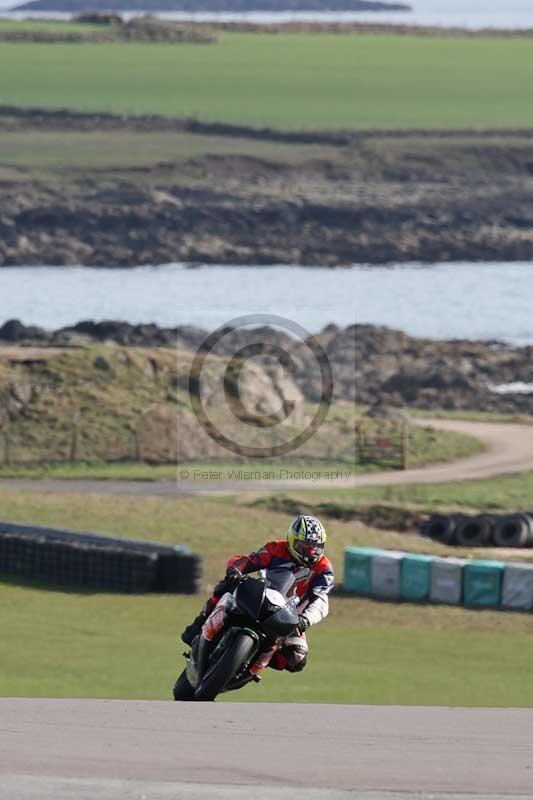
column 183, row 689
column 220, row 674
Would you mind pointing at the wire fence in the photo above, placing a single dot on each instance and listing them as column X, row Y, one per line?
column 159, row 440
column 69, row 447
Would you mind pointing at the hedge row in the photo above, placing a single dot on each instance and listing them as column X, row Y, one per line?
column 87, row 560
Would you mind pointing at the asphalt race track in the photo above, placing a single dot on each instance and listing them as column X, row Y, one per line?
column 142, row 750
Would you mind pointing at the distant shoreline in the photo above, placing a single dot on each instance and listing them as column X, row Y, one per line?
column 212, row 6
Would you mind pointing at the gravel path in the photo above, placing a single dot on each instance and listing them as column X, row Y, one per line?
column 509, row 449
column 114, row 748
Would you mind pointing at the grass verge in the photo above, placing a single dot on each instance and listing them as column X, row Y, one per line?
column 59, row 644
column 504, row 493
column 191, row 470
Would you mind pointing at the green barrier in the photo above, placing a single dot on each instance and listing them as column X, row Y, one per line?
column 482, row 585
column 358, row 569
column 416, row 577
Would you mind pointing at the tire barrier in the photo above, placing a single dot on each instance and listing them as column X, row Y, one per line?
column 515, row 530
column 481, row 530
column 409, row 577
column 475, row 531
column 443, row 527
column 88, row 560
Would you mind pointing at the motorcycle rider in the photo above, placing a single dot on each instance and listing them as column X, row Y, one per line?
column 303, row 553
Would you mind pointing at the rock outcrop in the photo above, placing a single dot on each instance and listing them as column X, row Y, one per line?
column 372, row 365
column 328, row 198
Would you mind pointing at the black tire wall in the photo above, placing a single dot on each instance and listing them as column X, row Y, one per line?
column 481, row 530
column 514, row 530
column 69, row 558
column 476, row 531
column 443, row 527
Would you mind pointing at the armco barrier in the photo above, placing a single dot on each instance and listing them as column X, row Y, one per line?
column 88, row 560
column 393, row 575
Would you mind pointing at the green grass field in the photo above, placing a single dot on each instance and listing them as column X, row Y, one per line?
column 59, row 644
column 107, row 150
column 45, row 25
column 68, row 643
column 287, row 81
column 508, row 492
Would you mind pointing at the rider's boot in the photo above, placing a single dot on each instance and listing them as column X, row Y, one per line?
column 195, row 627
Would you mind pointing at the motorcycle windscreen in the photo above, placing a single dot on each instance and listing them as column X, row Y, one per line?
column 283, row 621
column 281, row 579
column 249, row 596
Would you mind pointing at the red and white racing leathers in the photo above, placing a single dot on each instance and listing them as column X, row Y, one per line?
column 313, row 585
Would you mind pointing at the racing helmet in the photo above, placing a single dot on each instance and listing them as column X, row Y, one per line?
column 306, row 539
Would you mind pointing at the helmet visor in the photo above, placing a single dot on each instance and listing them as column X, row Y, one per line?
column 309, row 552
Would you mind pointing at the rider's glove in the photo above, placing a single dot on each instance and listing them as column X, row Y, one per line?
column 233, row 575
column 303, row 624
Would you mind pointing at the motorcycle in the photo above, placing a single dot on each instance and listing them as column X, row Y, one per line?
column 240, row 636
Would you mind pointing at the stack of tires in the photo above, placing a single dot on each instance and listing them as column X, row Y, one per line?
column 481, row 530
column 74, row 558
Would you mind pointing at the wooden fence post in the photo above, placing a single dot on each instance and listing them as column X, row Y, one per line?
column 73, row 455
column 73, row 445
column 7, row 449
column 136, row 445
column 359, row 442
column 405, row 445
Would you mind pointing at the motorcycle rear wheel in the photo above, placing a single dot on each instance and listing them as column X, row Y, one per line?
column 220, row 674
column 182, row 688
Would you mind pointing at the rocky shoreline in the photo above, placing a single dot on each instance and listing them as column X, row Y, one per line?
column 260, row 196
column 375, row 366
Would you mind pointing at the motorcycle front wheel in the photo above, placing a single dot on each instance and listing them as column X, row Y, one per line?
column 182, row 688
column 220, row 673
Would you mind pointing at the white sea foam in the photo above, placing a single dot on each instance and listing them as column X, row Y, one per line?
column 517, row 387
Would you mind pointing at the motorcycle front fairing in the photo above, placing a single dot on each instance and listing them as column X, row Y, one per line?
column 248, row 597
column 279, row 616
column 269, row 601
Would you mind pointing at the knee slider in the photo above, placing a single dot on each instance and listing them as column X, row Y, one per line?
column 298, row 660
